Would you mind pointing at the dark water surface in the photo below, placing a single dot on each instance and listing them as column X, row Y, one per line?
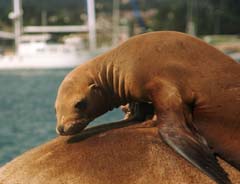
column 27, row 116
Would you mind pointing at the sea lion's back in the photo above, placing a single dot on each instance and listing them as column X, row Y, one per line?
column 123, row 156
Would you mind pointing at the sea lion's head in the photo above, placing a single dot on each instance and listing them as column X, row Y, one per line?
column 79, row 101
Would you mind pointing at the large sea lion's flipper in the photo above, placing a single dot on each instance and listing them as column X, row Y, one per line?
column 176, row 129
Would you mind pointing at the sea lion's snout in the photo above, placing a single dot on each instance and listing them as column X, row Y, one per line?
column 71, row 128
column 60, row 130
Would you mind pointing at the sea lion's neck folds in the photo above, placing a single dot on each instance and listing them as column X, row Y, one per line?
column 112, row 82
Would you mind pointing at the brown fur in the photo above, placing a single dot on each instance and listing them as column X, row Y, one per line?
column 173, row 71
column 132, row 155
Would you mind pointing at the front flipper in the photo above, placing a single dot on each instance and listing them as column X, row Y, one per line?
column 175, row 127
column 194, row 150
column 138, row 111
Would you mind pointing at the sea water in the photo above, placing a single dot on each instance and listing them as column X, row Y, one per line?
column 27, row 116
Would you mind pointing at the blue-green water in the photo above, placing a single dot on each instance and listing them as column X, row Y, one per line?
column 27, row 116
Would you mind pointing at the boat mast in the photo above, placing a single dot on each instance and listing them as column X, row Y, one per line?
column 115, row 20
column 190, row 25
column 91, row 24
column 16, row 15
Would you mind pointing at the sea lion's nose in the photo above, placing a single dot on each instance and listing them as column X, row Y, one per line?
column 60, row 129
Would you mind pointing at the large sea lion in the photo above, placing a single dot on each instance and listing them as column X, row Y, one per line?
column 131, row 155
column 193, row 87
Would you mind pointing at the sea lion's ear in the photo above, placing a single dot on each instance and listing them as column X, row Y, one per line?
column 94, row 89
column 93, row 86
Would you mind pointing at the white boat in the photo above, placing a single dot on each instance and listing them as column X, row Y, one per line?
column 35, row 52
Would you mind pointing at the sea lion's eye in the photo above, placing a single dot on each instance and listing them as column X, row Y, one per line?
column 81, row 105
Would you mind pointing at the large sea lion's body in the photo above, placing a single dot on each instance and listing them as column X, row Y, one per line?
column 194, row 88
column 133, row 155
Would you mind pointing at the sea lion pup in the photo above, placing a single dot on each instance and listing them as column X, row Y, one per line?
column 193, row 87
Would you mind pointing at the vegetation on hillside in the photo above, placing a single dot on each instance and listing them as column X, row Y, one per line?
column 210, row 16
